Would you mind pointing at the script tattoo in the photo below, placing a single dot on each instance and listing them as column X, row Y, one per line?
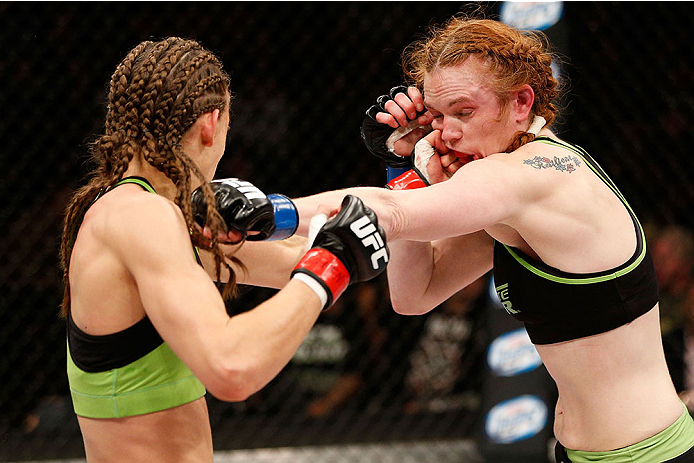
column 565, row 164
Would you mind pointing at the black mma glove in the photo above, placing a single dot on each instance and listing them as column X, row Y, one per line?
column 349, row 248
column 245, row 209
column 380, row 138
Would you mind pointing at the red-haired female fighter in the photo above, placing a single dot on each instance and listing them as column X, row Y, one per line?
column 568, row 253
column 148, row 331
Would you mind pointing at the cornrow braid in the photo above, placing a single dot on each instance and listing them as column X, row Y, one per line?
column 173, row 90
column 186, row 111
column 514, row 58
column 160, row 71
column 519, row 139
column 108, row 158
column 155, row 96
column 172, row 87
column 119, row 83
column 74, row 215
column 180, row 75
column 139, row 92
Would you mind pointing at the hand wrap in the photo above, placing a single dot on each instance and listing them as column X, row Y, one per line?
column 417, row 177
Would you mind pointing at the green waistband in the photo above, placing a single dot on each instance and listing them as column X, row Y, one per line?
column 154, row 382
column 666, row 445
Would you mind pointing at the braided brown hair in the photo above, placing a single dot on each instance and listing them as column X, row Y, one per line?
column 514, row 58
column 155, row 95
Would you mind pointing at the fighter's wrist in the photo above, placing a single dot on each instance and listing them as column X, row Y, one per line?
column 316, row 287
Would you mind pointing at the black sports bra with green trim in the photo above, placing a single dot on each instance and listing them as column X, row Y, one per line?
column 557, row 306
column 101, row 353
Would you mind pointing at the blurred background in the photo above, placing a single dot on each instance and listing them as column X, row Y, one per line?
column 302, row 75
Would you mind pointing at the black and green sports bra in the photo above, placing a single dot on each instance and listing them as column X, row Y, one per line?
column 131, row 372
column 557, row 306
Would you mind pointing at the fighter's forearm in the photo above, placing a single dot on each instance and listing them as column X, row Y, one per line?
column 329, row 203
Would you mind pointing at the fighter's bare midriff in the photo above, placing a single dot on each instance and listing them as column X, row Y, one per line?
column 617, row 391
column 178, row 435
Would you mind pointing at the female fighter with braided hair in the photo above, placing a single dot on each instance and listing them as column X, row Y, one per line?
column 499, row 189
column 148, row 331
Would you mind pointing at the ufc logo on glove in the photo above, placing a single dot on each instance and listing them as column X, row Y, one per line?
column 249, row 190
column 366, row 231
column 340, row 250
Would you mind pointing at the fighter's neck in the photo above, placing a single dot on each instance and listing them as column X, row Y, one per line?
column 159, row 181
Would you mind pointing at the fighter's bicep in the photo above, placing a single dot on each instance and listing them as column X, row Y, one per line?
column 154, row 246
column 478, row 196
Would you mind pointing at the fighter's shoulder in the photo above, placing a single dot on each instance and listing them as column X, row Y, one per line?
column 131, row 215
column 532, row 171
column 546, row 155
column 126, row 206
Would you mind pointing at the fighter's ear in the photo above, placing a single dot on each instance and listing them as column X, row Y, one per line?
column 208, row 127
column 522, row 102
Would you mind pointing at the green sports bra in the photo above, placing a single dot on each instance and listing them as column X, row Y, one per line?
column 132, row 372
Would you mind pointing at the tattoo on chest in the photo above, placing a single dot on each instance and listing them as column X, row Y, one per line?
column 565, row 164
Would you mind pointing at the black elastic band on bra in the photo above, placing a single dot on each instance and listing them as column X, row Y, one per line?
column 106, row 352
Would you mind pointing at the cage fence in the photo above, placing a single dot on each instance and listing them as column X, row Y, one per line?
column 302, row 75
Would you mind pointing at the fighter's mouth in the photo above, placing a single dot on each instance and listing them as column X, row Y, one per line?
column 465, row 157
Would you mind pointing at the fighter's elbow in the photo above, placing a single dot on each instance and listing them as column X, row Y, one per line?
column 407, row 307
column 234, row 383
column 393, row 219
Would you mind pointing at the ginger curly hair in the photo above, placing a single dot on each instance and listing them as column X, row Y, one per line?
column 514, row 58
